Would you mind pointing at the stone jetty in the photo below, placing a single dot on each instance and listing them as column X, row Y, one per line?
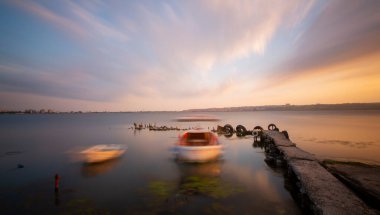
column 324, row 193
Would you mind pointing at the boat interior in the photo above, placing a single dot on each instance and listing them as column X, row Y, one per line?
column 198, row 139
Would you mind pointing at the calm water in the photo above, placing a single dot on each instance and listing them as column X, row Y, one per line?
column 147, row 180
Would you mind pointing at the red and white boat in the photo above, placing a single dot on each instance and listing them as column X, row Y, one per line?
column 198, row 146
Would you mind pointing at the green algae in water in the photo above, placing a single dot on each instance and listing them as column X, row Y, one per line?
column 213, row 187
column 161, row 189
column 193, row 185
column 169, row 197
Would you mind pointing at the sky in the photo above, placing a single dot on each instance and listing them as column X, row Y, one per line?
column 175, row 55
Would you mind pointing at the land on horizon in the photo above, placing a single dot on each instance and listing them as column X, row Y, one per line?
column 286, row 107
column 290, row 107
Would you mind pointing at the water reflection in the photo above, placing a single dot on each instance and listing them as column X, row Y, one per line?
column 259, row 144
column 92, row 170
column 198, row 184
column 210, row 169
column 204, row 179
column 354, row 144
column 349, row 143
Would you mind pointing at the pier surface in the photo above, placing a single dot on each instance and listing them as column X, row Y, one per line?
column 326, row 193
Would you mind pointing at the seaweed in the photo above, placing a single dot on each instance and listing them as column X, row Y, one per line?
column 194, row 185
column 213, row 187
column 161, row 189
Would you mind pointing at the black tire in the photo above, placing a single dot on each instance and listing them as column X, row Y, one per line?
column 272, row 127
column 258, row 128
column 256, row 133
column 228, row 129
column 241, row 130
column 285, row 134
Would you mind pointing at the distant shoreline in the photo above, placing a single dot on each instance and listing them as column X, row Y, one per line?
column 287, row 107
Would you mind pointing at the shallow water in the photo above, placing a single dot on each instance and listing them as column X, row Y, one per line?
column 147, row 180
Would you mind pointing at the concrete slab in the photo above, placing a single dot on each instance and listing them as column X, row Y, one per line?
column 327, row 194
column 279, row 138
column 291, row 153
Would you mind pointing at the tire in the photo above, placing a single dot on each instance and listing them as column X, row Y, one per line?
column 272, row 127
column 285, row 134
column 258, row 128
column 256, row 133
column 228, row 129
column 241, row 130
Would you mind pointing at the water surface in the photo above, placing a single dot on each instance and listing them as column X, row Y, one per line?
column 147, row 179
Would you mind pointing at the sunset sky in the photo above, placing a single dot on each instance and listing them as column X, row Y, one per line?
column 175, row 55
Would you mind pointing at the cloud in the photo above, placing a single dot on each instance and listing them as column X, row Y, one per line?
column 342, row 32
column 190, row 40
column 75, row 18
column 155, row 48
column 354, row 80
column 70, row 84
column 96, row 25
column 218, row 31
column 22, row 101
column 51, row 16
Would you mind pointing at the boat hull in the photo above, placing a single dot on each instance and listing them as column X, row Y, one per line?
column 198, row 153
column 102, row 153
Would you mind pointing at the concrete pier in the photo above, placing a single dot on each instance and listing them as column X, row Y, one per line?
column 326, row 194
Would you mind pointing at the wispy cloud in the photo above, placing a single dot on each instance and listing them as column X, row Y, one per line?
column 342, row 32
column 71, row 84
column 52, row 17
column 193, row 51
column 189, row 43
column 95, row 25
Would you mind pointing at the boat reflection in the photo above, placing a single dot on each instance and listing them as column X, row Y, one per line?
column 204, row 180
column 92, row 170
column 210, row 169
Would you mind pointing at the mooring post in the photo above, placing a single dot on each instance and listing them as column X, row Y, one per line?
column 56, row 184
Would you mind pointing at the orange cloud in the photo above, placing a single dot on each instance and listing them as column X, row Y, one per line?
column 354, row 80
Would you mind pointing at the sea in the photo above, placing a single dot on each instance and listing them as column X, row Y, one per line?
column 147, row 179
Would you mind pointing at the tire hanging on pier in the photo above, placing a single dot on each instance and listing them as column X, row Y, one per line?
column 285, row 134
column 272, row 127
column 228, row 129
column 257, row 132
column 241, row 130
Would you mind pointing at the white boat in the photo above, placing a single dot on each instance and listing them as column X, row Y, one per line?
column 198, row 146
column 100, row 153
